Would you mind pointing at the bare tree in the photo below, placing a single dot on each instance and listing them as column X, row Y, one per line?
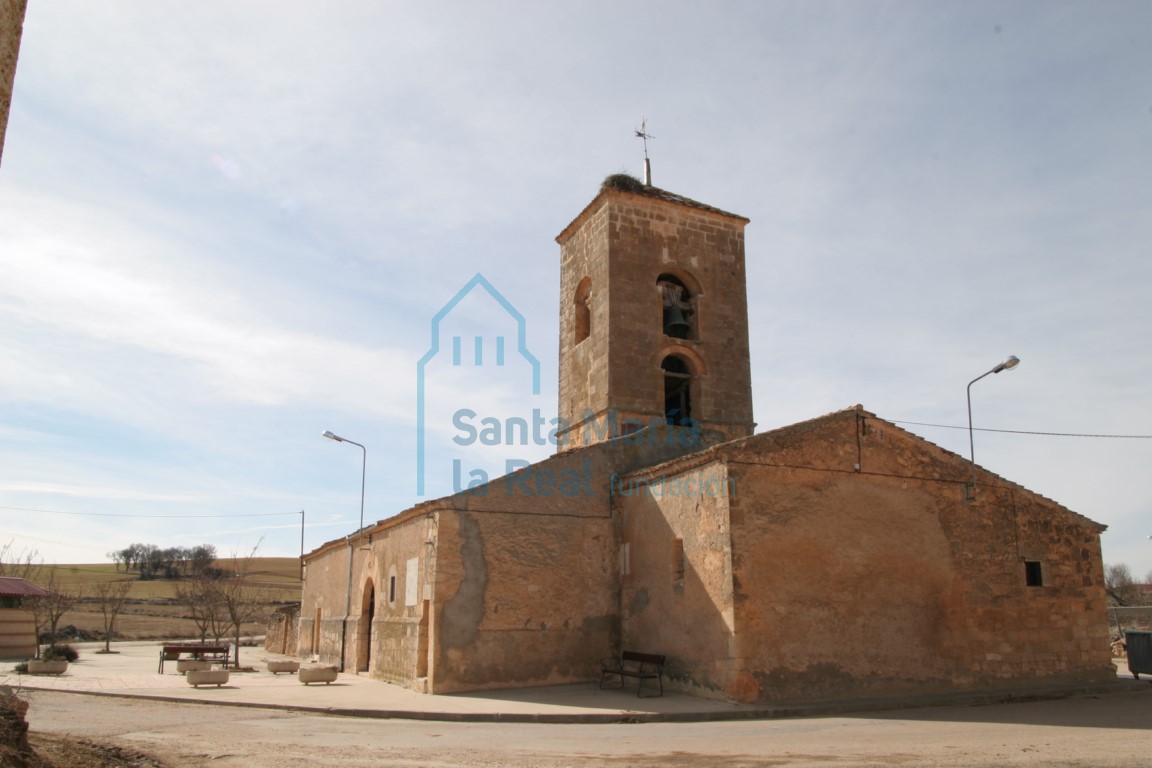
column 242, row 601
column 1121, row 587
column 111, row 596
column 201, row 558
column 202, row 599
column 38, row 607
column 153, row 562
column 126, row 556
column 48, row 610
column 18, row 563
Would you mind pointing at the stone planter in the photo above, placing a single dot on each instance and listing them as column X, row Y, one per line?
column 199, row 677
column 276, row 667
column 192, row 665
column 54, row 667
column 317, row 675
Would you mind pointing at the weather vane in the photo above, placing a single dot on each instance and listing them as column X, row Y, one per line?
column 643, row 134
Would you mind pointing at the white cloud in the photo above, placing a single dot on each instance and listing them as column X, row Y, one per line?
column 225, row 229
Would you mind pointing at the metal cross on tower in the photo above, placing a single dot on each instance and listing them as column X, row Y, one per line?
column 643, row 134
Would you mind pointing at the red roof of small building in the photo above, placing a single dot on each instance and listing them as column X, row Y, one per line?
column 10, row 586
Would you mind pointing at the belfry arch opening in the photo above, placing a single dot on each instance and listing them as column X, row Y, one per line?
column 583, row 310
column 679, row 307
column 677, row 391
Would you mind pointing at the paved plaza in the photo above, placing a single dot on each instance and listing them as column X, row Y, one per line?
column 132, row 672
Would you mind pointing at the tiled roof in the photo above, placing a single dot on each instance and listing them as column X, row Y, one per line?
column 672, row 197
column 10, row 586
column 716, row 452
column 625, row 184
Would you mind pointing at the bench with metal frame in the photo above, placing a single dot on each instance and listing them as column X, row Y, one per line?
column 215, row 653
column 642, row 666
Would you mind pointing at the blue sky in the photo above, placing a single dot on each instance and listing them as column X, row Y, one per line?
column 225, row 228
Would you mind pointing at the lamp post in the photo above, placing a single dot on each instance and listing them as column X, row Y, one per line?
column 363, row 469
column 301, row 545
column 1011, row 362
column 348, row 595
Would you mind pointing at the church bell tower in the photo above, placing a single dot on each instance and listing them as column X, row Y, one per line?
column 653, row 316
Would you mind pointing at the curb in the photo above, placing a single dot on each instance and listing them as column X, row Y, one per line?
column 782, row 711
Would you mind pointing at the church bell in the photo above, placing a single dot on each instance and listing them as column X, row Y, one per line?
column 674, row 323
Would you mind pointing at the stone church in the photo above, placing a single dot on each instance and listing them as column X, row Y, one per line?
column 838, row 557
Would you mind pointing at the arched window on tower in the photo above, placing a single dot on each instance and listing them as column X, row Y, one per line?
column 679, row 318
column 677, row 391
column 582, row 301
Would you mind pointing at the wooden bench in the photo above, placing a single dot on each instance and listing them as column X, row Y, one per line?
column 643, row 666
column 172, row 651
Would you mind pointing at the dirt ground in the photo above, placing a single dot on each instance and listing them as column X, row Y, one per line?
column 1110, row 730
column 55, row 751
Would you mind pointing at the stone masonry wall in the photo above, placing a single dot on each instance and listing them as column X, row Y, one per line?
column 322, row 606
column 391, row 581
column 676, row 586
column 527, row 589
column 860, row 569
column 516, row 581
column 283, row 633
column 583, row 383
column 706, row 251
column 397, row 649
column 623, row 243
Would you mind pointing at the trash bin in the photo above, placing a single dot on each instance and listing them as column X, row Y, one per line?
column 1139, row 652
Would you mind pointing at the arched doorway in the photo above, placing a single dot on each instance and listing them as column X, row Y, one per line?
column 367, row 615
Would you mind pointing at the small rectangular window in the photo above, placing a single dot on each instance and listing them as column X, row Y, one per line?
column 1033, row 573
column 391, row 589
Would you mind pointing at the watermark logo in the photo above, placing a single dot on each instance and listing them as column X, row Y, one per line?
column 474, row 350
column 479, row 417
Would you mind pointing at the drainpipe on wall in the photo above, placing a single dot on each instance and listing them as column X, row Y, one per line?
column 347, row 605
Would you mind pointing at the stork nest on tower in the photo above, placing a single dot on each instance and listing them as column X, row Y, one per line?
column 622, row 181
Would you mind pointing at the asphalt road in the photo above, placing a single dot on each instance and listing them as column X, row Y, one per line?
column 1111, row 730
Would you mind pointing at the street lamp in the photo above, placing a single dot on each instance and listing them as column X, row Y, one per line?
column 1011, row 362
column 359, row 531
column 301, row 546
column 363, row 469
